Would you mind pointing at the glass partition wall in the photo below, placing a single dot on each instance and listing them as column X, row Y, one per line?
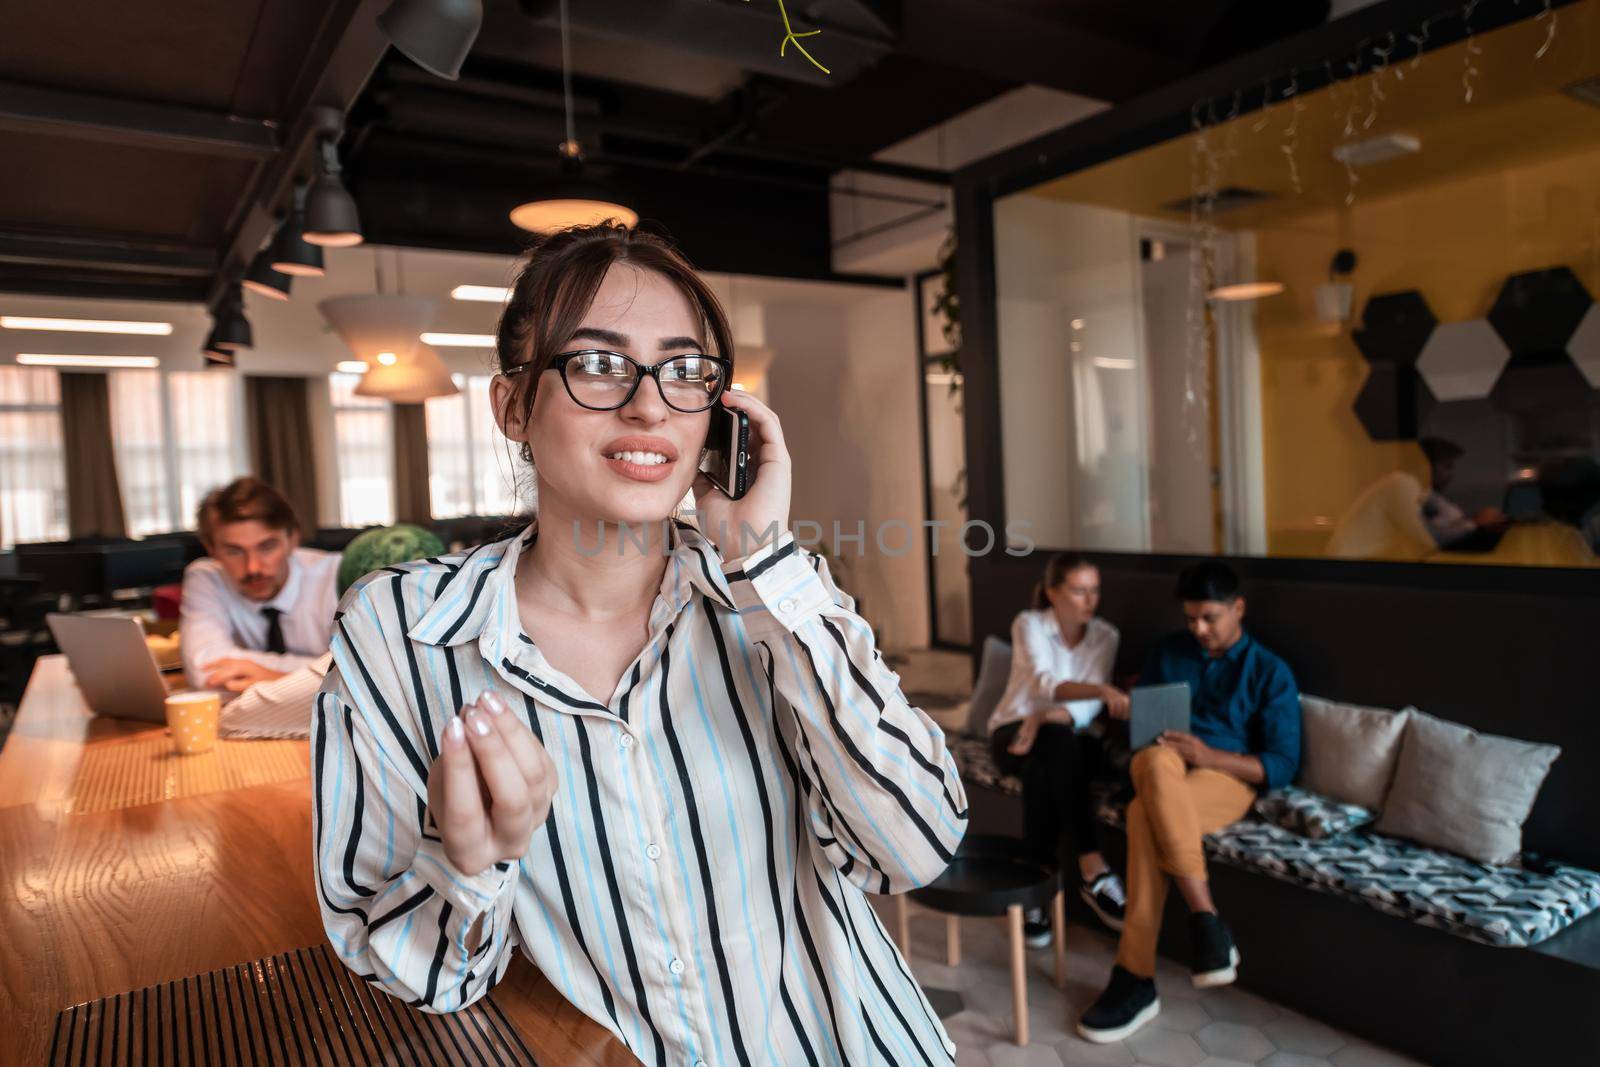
column 1357, row 323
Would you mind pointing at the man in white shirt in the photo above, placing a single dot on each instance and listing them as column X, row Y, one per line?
column 258, row 606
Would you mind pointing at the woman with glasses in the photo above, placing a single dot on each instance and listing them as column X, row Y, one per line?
column 668, row 764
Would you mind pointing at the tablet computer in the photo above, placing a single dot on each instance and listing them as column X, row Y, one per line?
column 1154, row 709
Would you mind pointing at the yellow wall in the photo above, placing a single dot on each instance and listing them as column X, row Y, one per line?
column 1456, row 242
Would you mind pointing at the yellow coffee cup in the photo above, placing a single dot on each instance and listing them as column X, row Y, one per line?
column 192, row 720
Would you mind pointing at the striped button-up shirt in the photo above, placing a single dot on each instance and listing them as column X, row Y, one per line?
column 699, row 885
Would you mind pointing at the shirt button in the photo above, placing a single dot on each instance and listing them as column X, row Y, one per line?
column 786, row 605
column 653, row 851
column 627, row 740
column 676, row 966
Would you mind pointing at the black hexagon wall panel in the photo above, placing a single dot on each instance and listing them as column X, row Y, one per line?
column 1394, row 327
column 1393, row 402
column 1538, row 311
column 1540, row 383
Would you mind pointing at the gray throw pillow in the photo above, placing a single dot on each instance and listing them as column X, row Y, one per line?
column 994, row 670
column 1464, row 792
column 1309, row 814
column 1349, row 752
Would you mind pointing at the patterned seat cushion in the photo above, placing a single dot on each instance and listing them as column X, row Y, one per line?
column 1504, row 906
column 976, row 764
column 1311, row 814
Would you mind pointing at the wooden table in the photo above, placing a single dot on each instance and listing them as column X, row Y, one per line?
column 93, row 903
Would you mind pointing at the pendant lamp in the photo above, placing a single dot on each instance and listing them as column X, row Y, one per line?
column 574, row 198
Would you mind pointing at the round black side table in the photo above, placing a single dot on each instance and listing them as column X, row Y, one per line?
column 993, row 876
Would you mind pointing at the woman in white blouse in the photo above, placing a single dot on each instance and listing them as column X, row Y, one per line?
column 1062, row 654
column 666, row 764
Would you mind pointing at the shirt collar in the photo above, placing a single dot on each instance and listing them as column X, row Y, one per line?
column 1240, row 647
column 482, row 589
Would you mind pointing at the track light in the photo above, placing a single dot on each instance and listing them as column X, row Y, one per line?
column 436, row 35
column 331, row 218
column 216, row 355
column 262, row 279
column 290, row 252
column 233, row 329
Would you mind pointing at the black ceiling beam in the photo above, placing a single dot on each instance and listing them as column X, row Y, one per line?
column 86, row 116
column 445, row 100
column 107, row 253
column 346, row 51
column 97, row 285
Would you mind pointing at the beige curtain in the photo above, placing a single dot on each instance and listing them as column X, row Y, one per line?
column 411, row 499
column 94, row 499
column 278, row 414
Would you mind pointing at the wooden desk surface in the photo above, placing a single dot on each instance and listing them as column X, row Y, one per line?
column 95, row 904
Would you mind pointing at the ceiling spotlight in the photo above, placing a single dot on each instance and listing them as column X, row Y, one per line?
column 436, row 35
column 216, row 355
column 351, row 366
column 331, row 217
column 290, row 252
column 233, row 329
column 265, row 281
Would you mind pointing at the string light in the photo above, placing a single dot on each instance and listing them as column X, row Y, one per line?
column 1550, row 34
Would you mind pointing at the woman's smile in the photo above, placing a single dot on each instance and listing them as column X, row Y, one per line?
column 641, row 459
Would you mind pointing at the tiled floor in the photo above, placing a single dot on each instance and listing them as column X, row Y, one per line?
column 1196, row 1028
column 1211, row 1028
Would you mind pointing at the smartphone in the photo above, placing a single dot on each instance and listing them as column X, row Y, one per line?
column 727, row 460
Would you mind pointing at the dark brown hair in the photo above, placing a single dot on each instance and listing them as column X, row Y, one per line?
column 1055, row 572
column 242, row 500
column 557, row 282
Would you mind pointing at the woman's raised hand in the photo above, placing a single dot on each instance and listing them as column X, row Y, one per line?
column 765, row 505
column 490, row 788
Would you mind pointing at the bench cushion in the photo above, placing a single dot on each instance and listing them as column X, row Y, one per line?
column 1504, row 906
column 1507, row 906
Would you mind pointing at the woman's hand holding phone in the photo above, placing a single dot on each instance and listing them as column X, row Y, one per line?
column 765, row 506
column 491, row 786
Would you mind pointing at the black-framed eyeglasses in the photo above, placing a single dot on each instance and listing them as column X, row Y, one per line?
column 605, row 381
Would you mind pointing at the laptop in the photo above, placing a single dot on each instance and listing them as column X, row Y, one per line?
column 114, row 668
column 1154, row 709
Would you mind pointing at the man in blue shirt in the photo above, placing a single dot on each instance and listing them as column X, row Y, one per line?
column 1244, row 736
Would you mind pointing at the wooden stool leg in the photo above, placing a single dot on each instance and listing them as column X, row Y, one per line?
column 952, row 940
column 903, row 924
column 1019, row 973
column 1058, row 930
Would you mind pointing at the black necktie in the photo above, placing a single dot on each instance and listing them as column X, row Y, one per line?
column 274, row 630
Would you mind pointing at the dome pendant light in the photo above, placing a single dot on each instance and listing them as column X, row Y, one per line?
column 572, row 200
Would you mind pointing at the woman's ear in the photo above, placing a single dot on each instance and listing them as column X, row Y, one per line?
column 508, row 414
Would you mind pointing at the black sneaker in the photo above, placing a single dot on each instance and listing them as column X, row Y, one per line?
column 1036, row 928
column 1216, row 958
column 1106, row 898
column 1126, row 1005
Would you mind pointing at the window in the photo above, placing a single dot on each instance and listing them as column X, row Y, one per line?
column 470, row 468
column 363, row 430
column 33, row 480
column 162, row 486
column 137, row 420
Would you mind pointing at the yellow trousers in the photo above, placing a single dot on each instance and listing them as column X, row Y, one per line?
column 1173, row 808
